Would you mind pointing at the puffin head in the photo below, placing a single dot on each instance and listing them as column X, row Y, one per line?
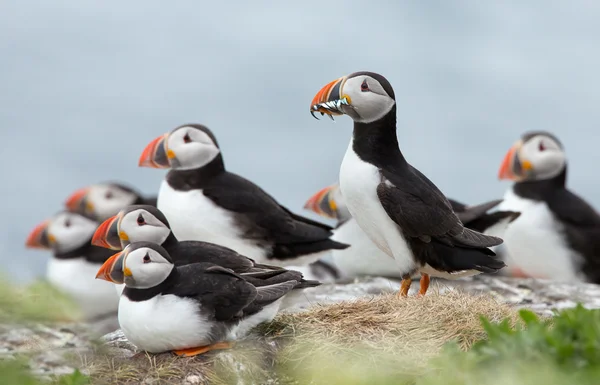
column 64, row 232
column 140, row 265
column 137, row 223
column 364, row 96
column 186, row 147
column 536, row 156
column 328, row 203
column 101, row 200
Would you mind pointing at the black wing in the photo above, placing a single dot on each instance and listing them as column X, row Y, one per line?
column 422, row 211
column 582, row 227
column 186, row 252
column 215, row 287
column 239, row 195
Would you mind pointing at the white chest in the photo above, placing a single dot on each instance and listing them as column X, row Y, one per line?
column 358, row 184
column 363, row 257
column 192, row 216
column 163, row 323
column 535, row 243
column 77, row 278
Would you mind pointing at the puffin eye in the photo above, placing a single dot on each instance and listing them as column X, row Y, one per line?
column 108, row 195
column 541, row 146
column 186, row 138
column 146, row 258
column 364, row 87
column 140, row 220
column 67, row 223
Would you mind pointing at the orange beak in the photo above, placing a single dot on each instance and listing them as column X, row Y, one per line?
column 323, row 202
column 39, row 238
column 107, row 234
column 77, row 201
column 512, row 167
column 112, row 269
column 330, row 99
column 156, row 154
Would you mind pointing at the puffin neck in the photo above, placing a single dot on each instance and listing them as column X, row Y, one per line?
column 170, row 241
column 541, row 189
column 86, row 251
column 196, row 178
column 137, row 295
column 377, row 143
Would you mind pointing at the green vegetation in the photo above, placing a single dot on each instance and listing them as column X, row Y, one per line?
column 36, row 303
column 449, row 339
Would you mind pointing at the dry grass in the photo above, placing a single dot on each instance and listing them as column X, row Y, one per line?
column 364, row 336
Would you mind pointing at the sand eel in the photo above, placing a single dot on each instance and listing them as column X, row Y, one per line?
column 397, row 207
column 557, row 235
column 190, row 309
column 75, row 261
column 102, row 200
column 363, row 257
column 205, row 202
column 144, row 223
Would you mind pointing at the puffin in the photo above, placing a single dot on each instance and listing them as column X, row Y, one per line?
column 398, row 208
column 205, row 202
column 190, row 309
column 364, row 258
column 102, row 200
column 145, row 223
column 75, row 261
column 557, row 235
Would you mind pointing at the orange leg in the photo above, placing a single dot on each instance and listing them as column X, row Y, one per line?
column 404, row 286
column 424, row 284
column 518, row 273
column 189, row 352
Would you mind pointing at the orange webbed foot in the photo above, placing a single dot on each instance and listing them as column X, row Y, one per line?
column 190, row 352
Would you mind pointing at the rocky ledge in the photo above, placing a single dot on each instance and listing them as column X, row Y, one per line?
column 59, row 349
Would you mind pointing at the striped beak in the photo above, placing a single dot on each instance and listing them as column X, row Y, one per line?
column 513, row 167
column 39, row 238
column 323, row 203
column 79, row 202
column 113, row 269
column 107, row 234
column 156, row 154
column 330, row 99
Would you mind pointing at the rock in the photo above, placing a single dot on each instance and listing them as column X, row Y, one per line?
column 51, row 348
column 192, row 380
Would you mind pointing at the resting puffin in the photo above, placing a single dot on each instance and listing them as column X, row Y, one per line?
column 189, row 309
column 363, row 257
column 205, row 202
column 557, row 235
column 399, row 209
column 74, row 262
column 144, row 223
column 102, row 200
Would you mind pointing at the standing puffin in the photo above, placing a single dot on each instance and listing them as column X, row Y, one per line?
column 189, row 309
column 75, row 261
column 102, row 200
column 205, row 202
column 363, row 257
column 144, row 223
column 557, row 235
column 399, row 209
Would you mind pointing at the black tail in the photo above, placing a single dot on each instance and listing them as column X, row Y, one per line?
column 451, row 259
column 279, row 276
column 293, row 250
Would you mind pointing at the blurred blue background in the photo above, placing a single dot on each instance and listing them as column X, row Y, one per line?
column 84, row 86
